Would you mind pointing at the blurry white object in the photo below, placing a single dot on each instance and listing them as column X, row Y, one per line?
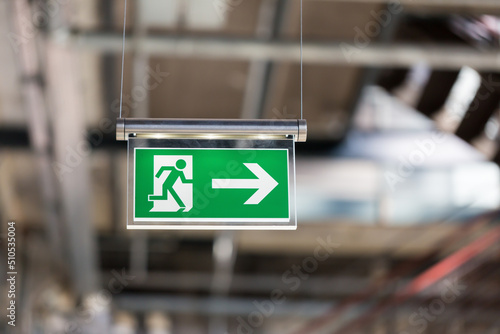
column 159, row 13
column 158, row 323
column 476, row 186
column 125, row 323
column 203, row 14
column 461, row 96
column 411, row 90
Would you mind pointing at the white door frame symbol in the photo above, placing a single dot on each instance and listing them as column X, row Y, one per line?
column 173, row 183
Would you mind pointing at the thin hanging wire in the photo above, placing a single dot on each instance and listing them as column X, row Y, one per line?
column 301, row 61
column 301, row 67
column 123, row 56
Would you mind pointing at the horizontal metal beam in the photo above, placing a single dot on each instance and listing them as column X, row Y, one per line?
column 350, row 53
column 256, row 283
column 297, row 308
column 202, row 128
column 214, row 305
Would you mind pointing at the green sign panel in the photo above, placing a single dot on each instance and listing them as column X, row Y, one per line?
column 211, row 185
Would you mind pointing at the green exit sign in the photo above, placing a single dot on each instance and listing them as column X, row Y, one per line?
column 185, row 187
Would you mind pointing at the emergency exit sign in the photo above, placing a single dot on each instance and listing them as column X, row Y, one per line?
column 210, row 185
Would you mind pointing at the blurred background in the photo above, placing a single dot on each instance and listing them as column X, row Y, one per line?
column 398, row 185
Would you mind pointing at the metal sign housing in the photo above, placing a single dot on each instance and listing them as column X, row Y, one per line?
column 181, row 179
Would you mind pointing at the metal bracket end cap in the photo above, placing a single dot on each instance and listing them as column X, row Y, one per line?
column 120, row 129
column 302, row 133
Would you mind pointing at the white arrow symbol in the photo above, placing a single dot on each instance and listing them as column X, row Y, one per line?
column 264, row 184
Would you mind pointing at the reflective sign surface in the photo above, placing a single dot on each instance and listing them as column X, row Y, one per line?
column 207, row 184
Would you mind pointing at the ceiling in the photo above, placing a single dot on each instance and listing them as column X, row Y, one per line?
column 381, row 82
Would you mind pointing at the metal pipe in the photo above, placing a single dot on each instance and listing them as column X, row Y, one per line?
column 211, row 128
column 443, row 57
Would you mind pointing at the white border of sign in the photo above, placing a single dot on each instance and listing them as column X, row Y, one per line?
column 289, row 223
column 213, row 220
